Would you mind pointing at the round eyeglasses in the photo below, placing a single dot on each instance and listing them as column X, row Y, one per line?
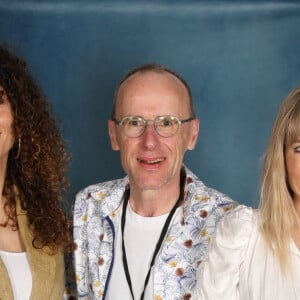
column 165, row 126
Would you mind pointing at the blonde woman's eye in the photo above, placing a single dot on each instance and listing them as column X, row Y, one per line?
column 297, row 149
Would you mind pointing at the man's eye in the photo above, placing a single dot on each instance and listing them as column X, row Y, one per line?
column 167, row 123
column 134, row 123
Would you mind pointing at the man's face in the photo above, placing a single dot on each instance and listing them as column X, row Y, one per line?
column 151, row 161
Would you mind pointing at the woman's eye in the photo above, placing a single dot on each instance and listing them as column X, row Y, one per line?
column 297, row 149
column 1, row 96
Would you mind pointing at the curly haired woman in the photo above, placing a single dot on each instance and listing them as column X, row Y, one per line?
column 34, row 229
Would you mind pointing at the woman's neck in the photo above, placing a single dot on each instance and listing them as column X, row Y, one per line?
column 3, row 164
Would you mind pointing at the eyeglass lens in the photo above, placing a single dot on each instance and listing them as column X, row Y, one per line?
column 134, row 126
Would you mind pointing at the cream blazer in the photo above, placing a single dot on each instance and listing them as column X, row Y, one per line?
column 47, row 271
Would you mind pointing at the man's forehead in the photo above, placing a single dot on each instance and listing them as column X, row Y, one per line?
column 142, row 74
column 147, row 78
column 146, row 86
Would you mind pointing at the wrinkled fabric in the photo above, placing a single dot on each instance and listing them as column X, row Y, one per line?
column 241, row 266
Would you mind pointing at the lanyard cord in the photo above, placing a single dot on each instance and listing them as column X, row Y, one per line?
column 160, row 240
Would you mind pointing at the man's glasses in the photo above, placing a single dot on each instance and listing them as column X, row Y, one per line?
column 165, row 126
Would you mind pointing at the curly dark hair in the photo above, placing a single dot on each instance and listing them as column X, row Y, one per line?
column 39, row 172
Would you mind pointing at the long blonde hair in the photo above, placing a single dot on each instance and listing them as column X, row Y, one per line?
column 279, row 216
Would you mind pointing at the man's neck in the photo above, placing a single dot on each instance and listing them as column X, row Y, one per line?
column 152, row 203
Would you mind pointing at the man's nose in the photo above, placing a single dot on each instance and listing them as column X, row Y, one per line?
column 150, row 136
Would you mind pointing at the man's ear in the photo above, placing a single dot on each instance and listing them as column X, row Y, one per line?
column 194, row 134
column 112, row 135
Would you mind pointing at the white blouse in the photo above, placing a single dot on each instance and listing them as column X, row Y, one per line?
column 240, row 266
column 19, row 272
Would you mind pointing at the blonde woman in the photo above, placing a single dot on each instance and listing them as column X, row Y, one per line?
column 255, row 254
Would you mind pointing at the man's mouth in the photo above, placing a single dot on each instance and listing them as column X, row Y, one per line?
column 151, row 161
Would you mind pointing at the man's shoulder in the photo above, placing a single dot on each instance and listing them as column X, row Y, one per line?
column 104, row 189
column 200, row 187
column 99, row 199
column 204, row 196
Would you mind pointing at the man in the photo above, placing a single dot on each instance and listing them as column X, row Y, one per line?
column 143, row 236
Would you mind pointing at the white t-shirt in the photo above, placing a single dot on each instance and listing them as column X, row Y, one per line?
column 19, row 272
column 240, row 265
column 140, row 237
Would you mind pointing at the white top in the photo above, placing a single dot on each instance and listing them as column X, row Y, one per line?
column 19, row 273
column 140, row 237
column 240, row 266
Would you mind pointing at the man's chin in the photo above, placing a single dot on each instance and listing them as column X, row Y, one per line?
column 148, row 184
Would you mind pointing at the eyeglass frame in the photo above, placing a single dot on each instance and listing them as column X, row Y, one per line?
column 180, row 122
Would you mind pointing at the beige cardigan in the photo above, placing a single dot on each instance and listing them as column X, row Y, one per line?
column 47, row 271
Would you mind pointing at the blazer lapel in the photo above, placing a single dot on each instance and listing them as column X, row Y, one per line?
column 42, row 264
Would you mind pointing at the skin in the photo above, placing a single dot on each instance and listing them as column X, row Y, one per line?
column 153, row 162
column 6, row 131
column 292, row 160
column 9, row 239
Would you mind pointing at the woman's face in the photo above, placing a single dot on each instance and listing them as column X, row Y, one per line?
column 292, row 160
column 6, row 130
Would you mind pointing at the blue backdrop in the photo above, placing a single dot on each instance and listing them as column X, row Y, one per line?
column 240, row 58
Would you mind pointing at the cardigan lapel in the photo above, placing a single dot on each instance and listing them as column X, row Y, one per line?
column 42, row 264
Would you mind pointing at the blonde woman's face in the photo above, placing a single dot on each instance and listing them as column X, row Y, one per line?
column 6, row 129
column 292, row 159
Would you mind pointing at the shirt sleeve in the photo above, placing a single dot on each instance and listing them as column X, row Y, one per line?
column 80, row 216
column 218, row 275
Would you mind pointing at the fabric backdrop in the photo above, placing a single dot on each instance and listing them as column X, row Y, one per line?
column 241, row 58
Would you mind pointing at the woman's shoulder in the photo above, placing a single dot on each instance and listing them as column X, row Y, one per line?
column 241, row 214
column 218, row 274
column 236, row 227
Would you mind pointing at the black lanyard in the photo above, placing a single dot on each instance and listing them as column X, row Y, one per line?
column 160, row 240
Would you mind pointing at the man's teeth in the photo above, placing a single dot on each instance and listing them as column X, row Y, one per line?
column 154, row 161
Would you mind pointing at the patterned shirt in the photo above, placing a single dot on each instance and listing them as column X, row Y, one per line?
column 174, row 272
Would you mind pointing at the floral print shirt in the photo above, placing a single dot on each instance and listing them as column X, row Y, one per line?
column 96, row 222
